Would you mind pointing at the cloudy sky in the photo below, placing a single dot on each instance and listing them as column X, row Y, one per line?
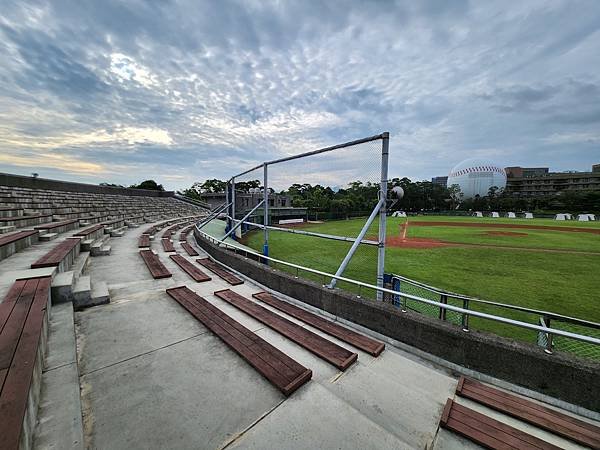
column 179, row 91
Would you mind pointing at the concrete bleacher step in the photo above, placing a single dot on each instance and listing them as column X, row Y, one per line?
column 82, row 291
column 62, row 287
column 100, row 294
column 64, row 283
column 47, row 237
column 7, row 229
column 100, row 246
column 100, row 250
column 59, row 422
column 118, row 232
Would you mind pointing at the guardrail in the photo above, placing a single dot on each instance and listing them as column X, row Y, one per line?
column 545, row 318
column 463, row 312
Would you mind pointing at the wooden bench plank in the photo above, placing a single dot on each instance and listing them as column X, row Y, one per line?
column 190, row 269
column 486, row 431
column 278, row 368
column 10, row 299
column 155, row 266
column 144, row 241
column 14, row 237
column 360, row 341
column 11, row 331
column 533, row 413
column 323, row 348
column 220, row 271
column 15, row 392
column 167, row 245
column 57, row 254
column 52, row 225
column 90, row 230
column 189, row 249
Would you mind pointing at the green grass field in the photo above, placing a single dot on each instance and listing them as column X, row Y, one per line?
column 488, row 267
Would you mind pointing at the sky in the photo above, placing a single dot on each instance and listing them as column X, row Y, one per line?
column 181, row 91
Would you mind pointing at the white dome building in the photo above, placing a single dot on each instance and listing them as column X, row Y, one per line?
column 476, row 176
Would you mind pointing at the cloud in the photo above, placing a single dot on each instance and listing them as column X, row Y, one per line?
column 183, row 91
column 65, row 163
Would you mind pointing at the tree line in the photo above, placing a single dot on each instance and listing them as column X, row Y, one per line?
column 419, row 196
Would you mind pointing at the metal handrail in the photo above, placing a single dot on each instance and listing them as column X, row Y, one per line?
column 468, row 312
column 551, row 315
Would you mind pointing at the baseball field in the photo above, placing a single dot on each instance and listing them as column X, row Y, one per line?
column 536, row 263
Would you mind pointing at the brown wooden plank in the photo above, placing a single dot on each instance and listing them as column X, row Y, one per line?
column 488, row 432
column 279, row 360
column 260, row 354
column 535, row 414
column 13, row 401
column 14, row 237
column 3, row 373
column 9, row 338
column 279, row 374
column 52, row 225
column 57, row 254
column 516, row 401
column 9, row 301
column 220, row 271
column 562, row 423
column 371, row 346
column 155, row 266
column 167, row 245
column 90, row 230
column 144, row 241
column 190, row 269
column 500, row 430
column 325, row 349
column 189, row 249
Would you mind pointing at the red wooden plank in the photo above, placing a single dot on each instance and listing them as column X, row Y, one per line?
column 155, row 266
column 502, row 431
column 220, row 271
column 281, row 370
column 52, row 225
column 90, row 230
column 55, row 256
column 14, row 237
column 9, row 338
column 548, row 419
column 327, row 350
column 190, row 268
column 9, row 301
column 486, row 431
column 167, row 245
column 371, row 346
column 189, row 249
column 279, row 360
column 13, row 401
column 144, row 241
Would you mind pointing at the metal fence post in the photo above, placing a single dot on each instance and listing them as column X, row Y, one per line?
column 233, row 206
column 266, row 211
column 228, row 203
column 444, row 300
column 465, row 316
column 385, row 145
column 549, row 337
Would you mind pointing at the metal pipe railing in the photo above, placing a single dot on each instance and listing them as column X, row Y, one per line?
column 448, row 294
column 465, row 312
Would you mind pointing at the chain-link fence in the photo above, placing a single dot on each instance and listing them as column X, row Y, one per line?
column 319, row 200
column 546, row 340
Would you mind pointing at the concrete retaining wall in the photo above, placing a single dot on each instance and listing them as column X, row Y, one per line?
column 559, row 375
column 7, row 179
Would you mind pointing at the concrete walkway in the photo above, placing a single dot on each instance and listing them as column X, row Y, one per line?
column 153, row 377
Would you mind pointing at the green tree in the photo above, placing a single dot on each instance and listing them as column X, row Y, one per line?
column 148, row 184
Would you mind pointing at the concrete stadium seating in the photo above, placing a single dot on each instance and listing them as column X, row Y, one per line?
column 80, row 225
